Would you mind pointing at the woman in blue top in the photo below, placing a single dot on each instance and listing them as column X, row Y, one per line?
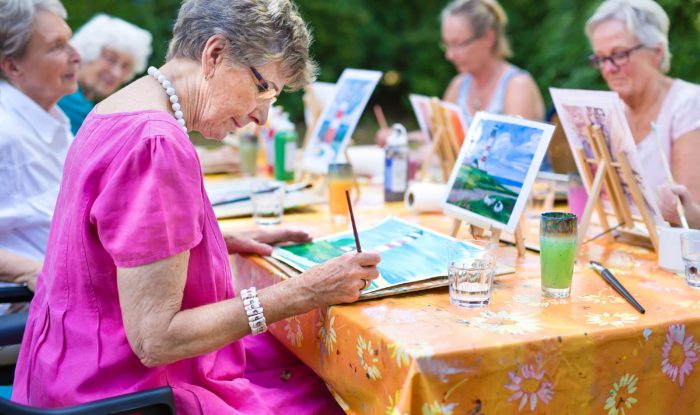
column 474, row 40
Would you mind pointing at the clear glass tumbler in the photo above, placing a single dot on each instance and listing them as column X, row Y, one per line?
column 470, row 273
column 339, row 180
column 690, row 249
column 267, row 197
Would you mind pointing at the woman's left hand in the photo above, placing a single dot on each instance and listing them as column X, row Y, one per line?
column 260, row 241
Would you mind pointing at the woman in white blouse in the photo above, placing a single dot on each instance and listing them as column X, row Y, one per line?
column 630, row 44
column 37, row 67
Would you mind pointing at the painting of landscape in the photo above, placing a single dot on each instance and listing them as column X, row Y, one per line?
column 496, row 167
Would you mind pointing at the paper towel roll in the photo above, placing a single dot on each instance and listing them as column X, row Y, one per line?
column 425, row 197
column 367, row 160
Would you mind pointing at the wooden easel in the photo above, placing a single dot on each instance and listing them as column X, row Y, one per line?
column 610, row 173
column 494, row 234
column 445, row 142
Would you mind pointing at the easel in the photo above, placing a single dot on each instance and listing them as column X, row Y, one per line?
column 445, row 142
column 612, row 173
column 494, row 234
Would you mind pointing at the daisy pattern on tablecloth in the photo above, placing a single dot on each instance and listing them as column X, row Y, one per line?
column 293, row 328
column 621, row 395
column 437, row 408
column 326, row 332
column 532, row 300
column 679, row 354
column 503, row 322
column 529, row 384
column 393, row 403
column 614, row 320
column 655, row 286
column 602, row 298
column 369, row 358
column 690, row 304
column 399, row 354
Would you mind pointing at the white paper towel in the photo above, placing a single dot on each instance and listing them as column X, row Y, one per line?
column 425, row 197
column 670, row 257
column 367, row 160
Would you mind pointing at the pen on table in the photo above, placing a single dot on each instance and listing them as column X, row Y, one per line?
column 381, row 119
column 669, row 176
column 352, row 219
column 289, row 189
column 617, row 286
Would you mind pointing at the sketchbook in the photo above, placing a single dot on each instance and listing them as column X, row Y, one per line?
column 413, row 257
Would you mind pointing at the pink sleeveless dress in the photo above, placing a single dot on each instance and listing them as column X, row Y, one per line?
column 132, row 193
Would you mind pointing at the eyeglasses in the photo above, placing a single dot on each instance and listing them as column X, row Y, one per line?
column 617, row 59
column 459, row 45
column 265, row 92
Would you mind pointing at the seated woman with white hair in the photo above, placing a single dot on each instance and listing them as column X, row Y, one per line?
column 112, row 51
column 630, row 44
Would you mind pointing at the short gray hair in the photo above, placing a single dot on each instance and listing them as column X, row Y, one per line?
column 111, row 32
column 258, row 32
column 483, row 15
column 645, row 19
column 16, row 20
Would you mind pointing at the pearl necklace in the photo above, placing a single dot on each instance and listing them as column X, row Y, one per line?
column 172, row 96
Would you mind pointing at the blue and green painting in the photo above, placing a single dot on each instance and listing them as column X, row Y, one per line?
column 409, row 252
column 493, row 169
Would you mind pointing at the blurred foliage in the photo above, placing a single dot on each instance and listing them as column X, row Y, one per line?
column 402, row 36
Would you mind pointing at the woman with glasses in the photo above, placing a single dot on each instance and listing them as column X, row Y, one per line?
column 474, row 40
column 136, row 290
column 630, row 44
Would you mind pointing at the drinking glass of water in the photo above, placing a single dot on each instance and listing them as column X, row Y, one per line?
column 470, row 273
column 267, row 197
column 690, row 248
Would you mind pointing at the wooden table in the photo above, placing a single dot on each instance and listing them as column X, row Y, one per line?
column 417, row 354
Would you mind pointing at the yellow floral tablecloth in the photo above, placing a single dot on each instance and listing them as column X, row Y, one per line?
column 589, row 354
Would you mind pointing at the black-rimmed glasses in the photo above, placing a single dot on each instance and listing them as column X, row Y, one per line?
column 265, row 92
column 617, row 59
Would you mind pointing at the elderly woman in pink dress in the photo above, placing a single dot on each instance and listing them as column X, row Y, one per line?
column 136, row 290
column 630, row 44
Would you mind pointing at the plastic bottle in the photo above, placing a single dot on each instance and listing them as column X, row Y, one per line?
column 285, row 151
column 396, row 164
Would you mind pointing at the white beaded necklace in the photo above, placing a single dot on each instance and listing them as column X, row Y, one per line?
column 172, row 96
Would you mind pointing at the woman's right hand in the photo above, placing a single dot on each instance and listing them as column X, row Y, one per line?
column 341, row 279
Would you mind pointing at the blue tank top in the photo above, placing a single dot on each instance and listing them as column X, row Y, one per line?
column 498, row 100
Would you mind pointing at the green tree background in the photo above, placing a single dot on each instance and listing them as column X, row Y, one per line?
column 401, row 37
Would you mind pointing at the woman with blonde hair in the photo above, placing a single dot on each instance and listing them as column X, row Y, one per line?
column 630, row 44
column 474, row 40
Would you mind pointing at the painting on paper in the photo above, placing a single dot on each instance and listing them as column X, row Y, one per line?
column 495, row 170
column 339, row 119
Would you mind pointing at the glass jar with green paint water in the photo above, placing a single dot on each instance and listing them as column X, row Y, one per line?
column 557, row 252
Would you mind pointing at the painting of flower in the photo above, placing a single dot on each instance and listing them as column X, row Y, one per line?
column 621, row 395
column 531, row 385
column 503, row 322
column 679, row 354
column 436, row 408
column 326, row 332
column 392, row 409
column 369, row 358
column 293, row 328
column 614, row 320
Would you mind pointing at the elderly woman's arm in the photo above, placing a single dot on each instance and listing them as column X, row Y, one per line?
column 684, row 163
column 160, row 332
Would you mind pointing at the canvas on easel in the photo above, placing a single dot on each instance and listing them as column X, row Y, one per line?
column 332, row 131
column 494, row 173
column 444, row 124
column 606, row 157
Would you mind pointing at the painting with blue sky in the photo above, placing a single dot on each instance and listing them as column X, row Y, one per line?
column 496, row 168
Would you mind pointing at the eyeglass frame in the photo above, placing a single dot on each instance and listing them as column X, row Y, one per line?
column 265, row 91
column 597, row 62
column 460, row 45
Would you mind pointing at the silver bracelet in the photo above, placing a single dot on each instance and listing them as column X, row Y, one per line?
column 254, row 311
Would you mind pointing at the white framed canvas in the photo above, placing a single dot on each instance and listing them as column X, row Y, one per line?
column 339, row 119
column 497, row 165
column 421, row 107
column 578, row 109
